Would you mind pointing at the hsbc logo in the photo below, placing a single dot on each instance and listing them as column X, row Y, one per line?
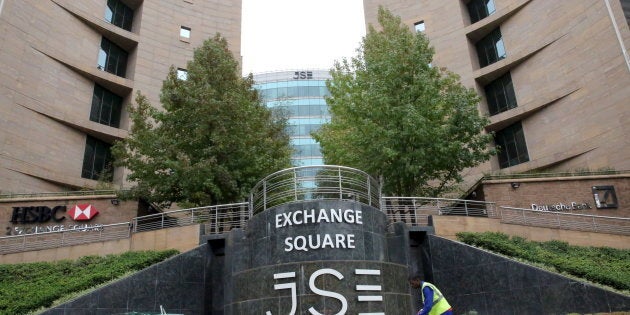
column 42, row 214
column 84, row 212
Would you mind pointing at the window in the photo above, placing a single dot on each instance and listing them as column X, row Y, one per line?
column 184, row 32
column 105, row 107
column 490, row 49
column 119, row 14
column 479, row 9
column 112, row 58
column 512, row 147
column 500, row 94
column 419, row 26
column 97, row 161
column 182, row 74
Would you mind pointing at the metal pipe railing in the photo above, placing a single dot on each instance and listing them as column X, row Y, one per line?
column 415, row 211
column 566, row 221
column 313, row 183
column 75, row 236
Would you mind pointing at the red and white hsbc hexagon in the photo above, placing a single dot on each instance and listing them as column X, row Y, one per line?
column 83, row 212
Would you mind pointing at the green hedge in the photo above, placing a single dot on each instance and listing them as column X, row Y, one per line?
column 28, row 287
column 603, row 265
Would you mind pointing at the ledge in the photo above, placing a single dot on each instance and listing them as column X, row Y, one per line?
column 123, row 38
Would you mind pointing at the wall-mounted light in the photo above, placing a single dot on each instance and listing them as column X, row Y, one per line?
column 115, row 202
column 515, row 185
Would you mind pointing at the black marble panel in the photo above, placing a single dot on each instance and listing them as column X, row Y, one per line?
column 178, row 284
column 475, row 280
column 249, row 297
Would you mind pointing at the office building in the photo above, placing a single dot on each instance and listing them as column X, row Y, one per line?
column 70, row 69
column 300, row 95
column 554, row 76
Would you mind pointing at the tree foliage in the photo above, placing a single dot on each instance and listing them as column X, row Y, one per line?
column 212, row 142
column 394, row 115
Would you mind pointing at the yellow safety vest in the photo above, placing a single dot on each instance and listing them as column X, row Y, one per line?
column 440, row 305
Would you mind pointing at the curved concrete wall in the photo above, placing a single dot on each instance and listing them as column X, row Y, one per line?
column 327, row 256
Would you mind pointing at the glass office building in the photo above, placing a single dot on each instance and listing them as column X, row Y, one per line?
column 300, row 94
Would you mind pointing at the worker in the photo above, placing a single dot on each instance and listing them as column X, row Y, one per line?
column 433, row 302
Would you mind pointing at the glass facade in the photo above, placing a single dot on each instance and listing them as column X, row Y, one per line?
column 299, row 94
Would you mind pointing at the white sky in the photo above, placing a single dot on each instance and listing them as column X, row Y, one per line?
column 299, row 34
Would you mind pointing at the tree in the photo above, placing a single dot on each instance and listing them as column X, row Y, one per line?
column 396, row 116
column 212, row 142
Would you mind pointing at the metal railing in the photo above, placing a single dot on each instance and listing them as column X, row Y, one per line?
column 45, row 240
column 216, row 219
column 59, row 194
column 313, row 183
column 415, row 211
column 566, row 221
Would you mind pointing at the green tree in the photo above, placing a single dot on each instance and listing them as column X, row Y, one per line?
column 212, row 142
column 395, row 116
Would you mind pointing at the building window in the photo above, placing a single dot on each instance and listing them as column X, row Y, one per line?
column 419, row 26
column 97, row 161
column 184, row 32
column 106, row 107
column 182, row 74
column 119, row 14
column 500, row 94
column 480, row 9
column 490, row 49
column 112, row 58
column 511, row 145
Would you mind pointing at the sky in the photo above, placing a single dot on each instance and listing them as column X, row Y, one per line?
column 299, row 34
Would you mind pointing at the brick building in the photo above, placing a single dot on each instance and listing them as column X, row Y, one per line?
column 70, row 69
column 553, row 76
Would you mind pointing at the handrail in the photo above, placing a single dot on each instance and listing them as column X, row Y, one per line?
column 566, row 221
column 314, row 183
column 45, row 240
column 415, row 211
column 216, row 219
column 60, row 194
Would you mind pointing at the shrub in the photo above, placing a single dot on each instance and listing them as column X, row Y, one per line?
column 28, row 287
column 603, row 265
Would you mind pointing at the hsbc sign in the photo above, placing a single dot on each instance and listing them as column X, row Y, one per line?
column 42, row 214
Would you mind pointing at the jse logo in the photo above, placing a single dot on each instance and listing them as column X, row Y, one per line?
column 344, row 302
column 301, row 75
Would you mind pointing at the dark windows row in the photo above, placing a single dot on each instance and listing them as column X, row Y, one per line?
column 119, row 14
column 97, row 160
column 106, row 107
column 293, row 92
column 490, row 49
column 112, row 58
column 480, row 9
column 500, row 95
column 511, row 145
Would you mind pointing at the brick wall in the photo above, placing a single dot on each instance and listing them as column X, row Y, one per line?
column 565, row 190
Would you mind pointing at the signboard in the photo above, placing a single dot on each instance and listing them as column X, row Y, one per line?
column 316, row 257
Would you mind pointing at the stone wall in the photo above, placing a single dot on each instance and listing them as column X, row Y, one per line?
column 264, row 273
column 556, row 190
column 178, row 284
column 475, row 280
